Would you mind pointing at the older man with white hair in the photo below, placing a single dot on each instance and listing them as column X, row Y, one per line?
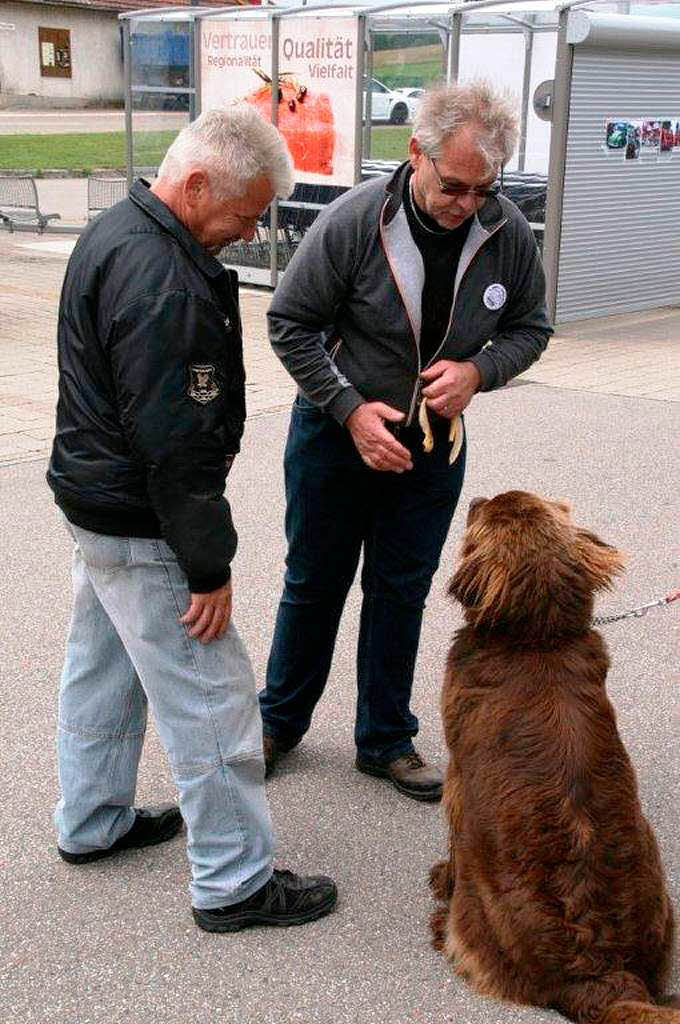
column 408, row 295
column 150, row 414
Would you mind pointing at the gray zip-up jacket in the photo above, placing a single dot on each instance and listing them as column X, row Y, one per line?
column 345, row 318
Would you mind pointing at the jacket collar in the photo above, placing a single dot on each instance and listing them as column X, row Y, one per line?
column 142, row 196
column 490, row 216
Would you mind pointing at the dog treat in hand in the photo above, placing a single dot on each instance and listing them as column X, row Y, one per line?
column 455, row 433
column 424, row 421
column 455, row 437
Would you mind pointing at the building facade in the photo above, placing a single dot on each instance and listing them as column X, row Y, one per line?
column 55, row 53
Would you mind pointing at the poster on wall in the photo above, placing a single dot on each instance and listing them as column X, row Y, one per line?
column 650, row 137
column 623, row 136
column 316, row 85
column 666, row 137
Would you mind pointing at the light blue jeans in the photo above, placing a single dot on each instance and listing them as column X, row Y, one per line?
column 126, row 647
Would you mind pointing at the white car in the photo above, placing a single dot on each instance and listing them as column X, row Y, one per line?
column 413, row 97
column 386, row 104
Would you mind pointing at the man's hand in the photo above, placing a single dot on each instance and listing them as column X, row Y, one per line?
column 450, row 387
column 209, row 614
column 377, row 447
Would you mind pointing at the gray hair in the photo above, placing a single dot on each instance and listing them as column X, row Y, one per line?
column 444, row 110
column 232, row 145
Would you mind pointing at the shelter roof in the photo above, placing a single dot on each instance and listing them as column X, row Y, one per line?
column 119, row 6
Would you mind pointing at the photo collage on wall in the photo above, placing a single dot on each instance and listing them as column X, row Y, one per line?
column 635, row 138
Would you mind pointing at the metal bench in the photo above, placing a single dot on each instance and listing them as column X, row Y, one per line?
column 103, row 190
column 19, row 203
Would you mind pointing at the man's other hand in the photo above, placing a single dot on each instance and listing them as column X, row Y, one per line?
column 209, row 614
column 377, row 447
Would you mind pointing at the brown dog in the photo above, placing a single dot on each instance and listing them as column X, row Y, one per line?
column 553, row 893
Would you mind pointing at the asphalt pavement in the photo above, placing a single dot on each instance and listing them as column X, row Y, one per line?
column 596, row 421
column 52, row 122
column 115, row 942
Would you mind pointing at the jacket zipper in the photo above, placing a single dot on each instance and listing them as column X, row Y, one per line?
column 457, row 289
column 416, row 345
column 334, row 351
column 419, row 383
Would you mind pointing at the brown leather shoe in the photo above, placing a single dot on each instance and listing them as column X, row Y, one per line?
column 408, row 773
column 273, row 750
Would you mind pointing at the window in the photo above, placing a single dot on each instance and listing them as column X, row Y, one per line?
column 55, row 52
column 375, row 86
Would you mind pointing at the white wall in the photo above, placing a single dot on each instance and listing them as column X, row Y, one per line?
column 499, row 58
column 496, row 57
column 538, row 131
column 96, row 59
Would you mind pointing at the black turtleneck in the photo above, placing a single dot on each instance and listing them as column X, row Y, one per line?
column 440, row 249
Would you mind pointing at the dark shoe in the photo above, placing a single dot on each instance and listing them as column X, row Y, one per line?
column 149, row 828
column 408, row 773
column 286, row 899
column 273, row 750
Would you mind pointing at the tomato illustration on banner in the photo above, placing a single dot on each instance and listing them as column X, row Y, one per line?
column 305, row 119
column 315, row 84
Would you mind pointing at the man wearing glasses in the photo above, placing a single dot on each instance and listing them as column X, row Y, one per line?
column 418, row 289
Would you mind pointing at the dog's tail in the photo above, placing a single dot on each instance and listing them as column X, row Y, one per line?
column 442, row 880
column 616, row 998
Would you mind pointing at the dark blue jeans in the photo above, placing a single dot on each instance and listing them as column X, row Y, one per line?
column 336, row 505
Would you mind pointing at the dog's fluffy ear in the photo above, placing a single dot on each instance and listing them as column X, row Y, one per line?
column 481, row 580
column 599, row 561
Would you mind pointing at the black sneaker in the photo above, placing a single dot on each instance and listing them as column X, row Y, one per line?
column 150, row 827
column 285, row 899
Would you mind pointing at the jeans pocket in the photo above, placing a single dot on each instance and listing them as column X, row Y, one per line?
column 304, row 406
column 102, row 551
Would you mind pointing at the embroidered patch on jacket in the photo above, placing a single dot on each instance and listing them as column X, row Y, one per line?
column 203, row 386
column 495, row 296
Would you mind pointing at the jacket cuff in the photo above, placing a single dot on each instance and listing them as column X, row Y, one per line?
column 206, row 584
column 344, row 404
column 488, row 370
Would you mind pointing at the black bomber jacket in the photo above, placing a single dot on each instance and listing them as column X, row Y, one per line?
column 151, row 387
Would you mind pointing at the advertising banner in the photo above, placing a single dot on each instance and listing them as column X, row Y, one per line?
column 316, row 85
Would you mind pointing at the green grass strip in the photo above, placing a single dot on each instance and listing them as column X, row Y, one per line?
column 394, row 76
column 82, row 153
column 390, row 142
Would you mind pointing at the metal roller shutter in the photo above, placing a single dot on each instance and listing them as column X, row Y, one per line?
column 620, row 240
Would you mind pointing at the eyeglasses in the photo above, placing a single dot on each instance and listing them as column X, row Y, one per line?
column 450, row 189
column 248, row 218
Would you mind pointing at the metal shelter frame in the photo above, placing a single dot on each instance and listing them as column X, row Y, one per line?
column 450, row 20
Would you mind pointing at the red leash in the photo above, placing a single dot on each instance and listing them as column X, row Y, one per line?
column 637, row 613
